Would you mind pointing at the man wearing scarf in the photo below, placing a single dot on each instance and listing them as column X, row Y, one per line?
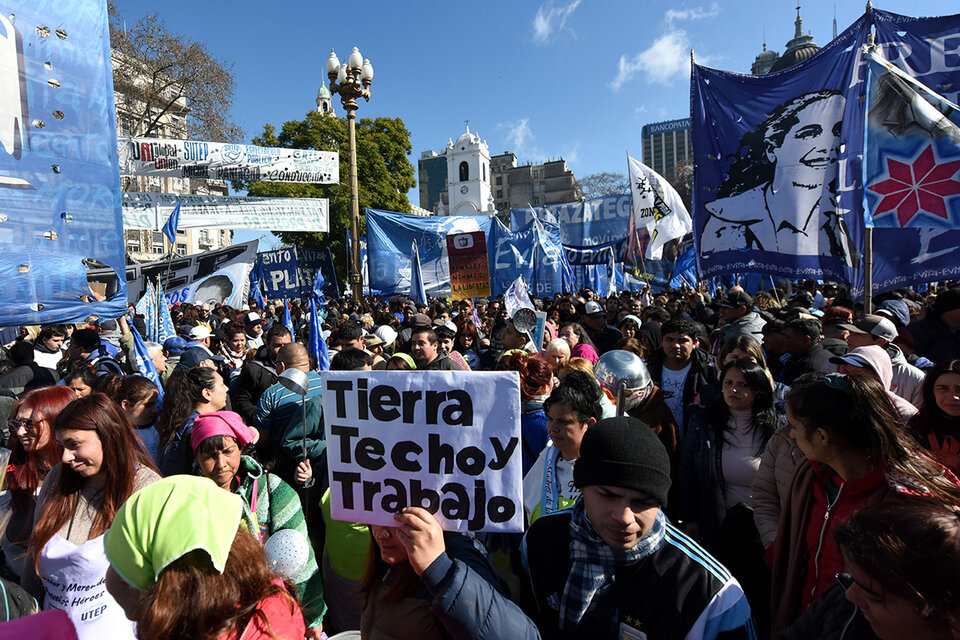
column 613, row 566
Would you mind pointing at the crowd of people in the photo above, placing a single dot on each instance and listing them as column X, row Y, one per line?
column 694, row 466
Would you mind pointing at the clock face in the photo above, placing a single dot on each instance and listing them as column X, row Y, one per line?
column 464, row 189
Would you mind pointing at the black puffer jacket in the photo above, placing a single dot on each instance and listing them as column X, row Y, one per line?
column 830, row 617
column 255, row 377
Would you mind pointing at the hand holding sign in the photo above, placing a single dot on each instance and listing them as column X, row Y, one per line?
column 421, row 535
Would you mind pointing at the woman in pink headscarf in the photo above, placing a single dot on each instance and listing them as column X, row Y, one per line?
column 218, row 440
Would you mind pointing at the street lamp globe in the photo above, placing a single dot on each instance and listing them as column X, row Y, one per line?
column 366, row 72
column 333, row 64
column 356, row 59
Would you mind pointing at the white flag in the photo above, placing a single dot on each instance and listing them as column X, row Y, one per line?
column 517, row 297
column 656, row 206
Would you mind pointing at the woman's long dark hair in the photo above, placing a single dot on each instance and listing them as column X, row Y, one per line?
column 580, row 331
column 192, row 601
column 911, row 547
column 763, row 420
column 184, row 392
column 930, row 416
column 856, row 410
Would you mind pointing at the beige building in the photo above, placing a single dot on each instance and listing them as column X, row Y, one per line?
column 144, row 245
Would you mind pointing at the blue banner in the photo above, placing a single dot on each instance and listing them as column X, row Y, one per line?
column 59, row 177
column 279, row 276
column 773, row 192
column 390, row 236
column 532, row 251
column 928, row 49
column 582, row 224
column 290, row 272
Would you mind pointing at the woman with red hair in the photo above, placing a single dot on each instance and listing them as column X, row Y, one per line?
column 102, row 465
column 536, row 383
column 34, row 452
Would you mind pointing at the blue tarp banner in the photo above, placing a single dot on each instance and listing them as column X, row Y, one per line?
column 772, row 179
column 928, row 49
column 59, row 177
column 532, row 251
column 390, row 236
column 582, row 224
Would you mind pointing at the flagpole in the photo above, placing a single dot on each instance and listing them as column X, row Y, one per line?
column 773, row 285
column 868, row 270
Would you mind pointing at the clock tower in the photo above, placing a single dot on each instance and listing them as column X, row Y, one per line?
column 468, row 176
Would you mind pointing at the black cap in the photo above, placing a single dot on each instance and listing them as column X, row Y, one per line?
column 624, row 452
column 736, row 298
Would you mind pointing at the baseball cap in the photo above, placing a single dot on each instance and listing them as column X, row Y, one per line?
column 175, row 345
column 199, row 332
column 736, row 298
column 592, row 308
column 875, row 325
column 252, row 318
column 195, row 355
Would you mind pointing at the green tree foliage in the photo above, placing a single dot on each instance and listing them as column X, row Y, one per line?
column 384, row 174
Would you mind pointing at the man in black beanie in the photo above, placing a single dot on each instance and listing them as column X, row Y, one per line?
column 612, row 566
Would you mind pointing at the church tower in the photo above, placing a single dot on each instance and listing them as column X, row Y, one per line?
column 468, row 176
column 324, row 103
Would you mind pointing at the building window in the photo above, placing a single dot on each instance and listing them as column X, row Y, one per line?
column 536, row 175
column 133, row 246
column 181, row 249
column 464, row 171
column 484, row 167
column 499, row 193
column 499, row 180
column 536, row 201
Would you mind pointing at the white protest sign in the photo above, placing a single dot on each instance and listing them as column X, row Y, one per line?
column 448, row 441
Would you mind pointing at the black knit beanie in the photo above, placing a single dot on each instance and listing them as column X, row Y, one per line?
column 624, row 452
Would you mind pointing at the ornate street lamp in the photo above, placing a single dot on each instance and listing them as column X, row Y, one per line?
column 352, row 80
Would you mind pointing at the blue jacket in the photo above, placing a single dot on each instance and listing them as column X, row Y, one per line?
column 533, row 432
column 471, row 607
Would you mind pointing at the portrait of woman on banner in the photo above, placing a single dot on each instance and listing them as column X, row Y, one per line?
column 780, row 192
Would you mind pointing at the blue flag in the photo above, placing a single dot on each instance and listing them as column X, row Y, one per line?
column 256, row 275
column 316, row 304
column 147, row 307
column 287, row 321
column 144, row 364
column 417, row 293
column 170, row 228
column 166, row 329
column 911, row 152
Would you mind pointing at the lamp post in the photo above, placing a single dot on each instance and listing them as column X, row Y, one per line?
column 352, row 80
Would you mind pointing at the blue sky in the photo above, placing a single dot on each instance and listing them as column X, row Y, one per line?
column 576, row 79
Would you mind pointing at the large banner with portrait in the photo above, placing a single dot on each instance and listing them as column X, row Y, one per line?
column 771, row 193
column 223, row 161
column 59, row 183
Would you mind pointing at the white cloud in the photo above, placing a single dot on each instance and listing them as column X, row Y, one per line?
column 669, row 55
column 666, row 58
column 520, row 140
column 551, row 19
column 698, row 13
